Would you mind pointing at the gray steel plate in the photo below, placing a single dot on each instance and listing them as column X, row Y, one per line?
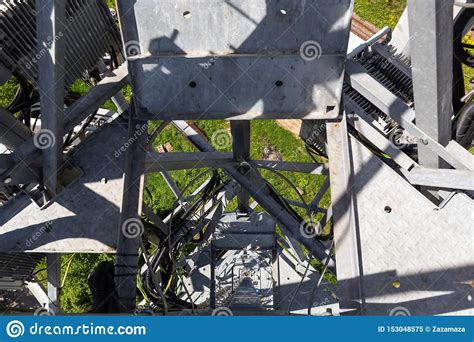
column 84, row 218
column 237, row 87
column 244, row 59
column 416, row 257
column 222, row 27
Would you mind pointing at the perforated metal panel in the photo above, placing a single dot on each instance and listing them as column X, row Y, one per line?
column 244, row 59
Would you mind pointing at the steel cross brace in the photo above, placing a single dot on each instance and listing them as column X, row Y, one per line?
column 241, row 147
column 257, row 188
column 382, row 98
column 19, row 163
column 346, row 235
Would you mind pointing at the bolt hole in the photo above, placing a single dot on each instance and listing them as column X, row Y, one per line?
column 193, row 84
column 103, row 181
column 187, row 14
column 279, row 83
column 282, row 11
column 7, row 180
column 330, row 108
column 387, row 209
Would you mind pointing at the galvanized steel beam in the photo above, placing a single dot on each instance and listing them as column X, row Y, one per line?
column 442, row 178
column 131, row 227
column 50, row 18
column 346, row 234
column 241, row 148
column 157, row 162
column 431, row 46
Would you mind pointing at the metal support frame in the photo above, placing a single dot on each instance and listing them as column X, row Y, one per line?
column 212, row 297
column 257, row 188
column 232, row 236
column 393, row 106
column 432, row 92
column 442, row 178
column 27, row 153
column 157, row 162
column 50, row 18
column 172, row 186
column 12, row 132
column 256, row 68
column 241, row 147
column 431, row 36
column 346, row 235
column 310, row 168
column 127, row 245
column 38, row 292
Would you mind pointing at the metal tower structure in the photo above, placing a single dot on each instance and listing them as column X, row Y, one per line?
column 398, row 232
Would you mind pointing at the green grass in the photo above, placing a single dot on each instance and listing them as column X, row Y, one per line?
column 7, row 92
column 263, row 133
column 75, row 296
column 468, row 71
column 380, row 12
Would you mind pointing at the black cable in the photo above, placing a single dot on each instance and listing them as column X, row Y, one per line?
column 70, row 140
column 465, row 125
column 163, row 256
column 22, row 93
